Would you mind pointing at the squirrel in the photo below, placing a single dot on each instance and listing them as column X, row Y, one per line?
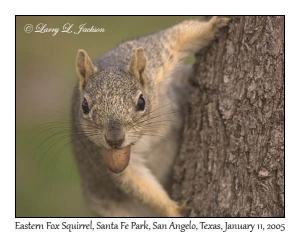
column 127, row 119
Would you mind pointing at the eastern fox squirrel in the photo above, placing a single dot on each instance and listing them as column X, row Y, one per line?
column 127, row 109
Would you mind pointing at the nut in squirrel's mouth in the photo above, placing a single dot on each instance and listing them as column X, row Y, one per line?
column 116, row 159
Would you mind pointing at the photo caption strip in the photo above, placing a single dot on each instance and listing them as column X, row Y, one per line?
column 154, row 225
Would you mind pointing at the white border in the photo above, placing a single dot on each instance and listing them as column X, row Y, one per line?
column 254, row 7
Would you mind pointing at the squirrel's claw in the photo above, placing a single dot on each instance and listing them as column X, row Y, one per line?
column 184, row 209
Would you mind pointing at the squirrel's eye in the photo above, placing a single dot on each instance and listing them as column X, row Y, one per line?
column 141, row 104
column 85, row 107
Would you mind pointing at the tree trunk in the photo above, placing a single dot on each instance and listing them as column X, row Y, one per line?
column 231, row 161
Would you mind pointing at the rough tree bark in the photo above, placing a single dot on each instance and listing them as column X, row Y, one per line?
column 231, row 161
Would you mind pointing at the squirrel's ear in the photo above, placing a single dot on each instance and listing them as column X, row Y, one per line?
column 85, row 68
column 137, row 65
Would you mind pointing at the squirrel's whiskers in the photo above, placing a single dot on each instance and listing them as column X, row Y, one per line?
column 127, row 118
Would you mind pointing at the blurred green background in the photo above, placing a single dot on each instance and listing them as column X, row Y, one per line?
column 47, row 180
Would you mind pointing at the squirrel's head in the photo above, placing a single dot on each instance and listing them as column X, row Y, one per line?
column 114, row 102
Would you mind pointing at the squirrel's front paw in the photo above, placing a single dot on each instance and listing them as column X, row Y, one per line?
column 184, row 209
column 172, row 210
column 218, row 22
column 176, row 210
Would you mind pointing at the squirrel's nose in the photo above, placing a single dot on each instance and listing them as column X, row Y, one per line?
column 115, row 142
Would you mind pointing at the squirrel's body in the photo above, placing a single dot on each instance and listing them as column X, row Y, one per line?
column 132, row 97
